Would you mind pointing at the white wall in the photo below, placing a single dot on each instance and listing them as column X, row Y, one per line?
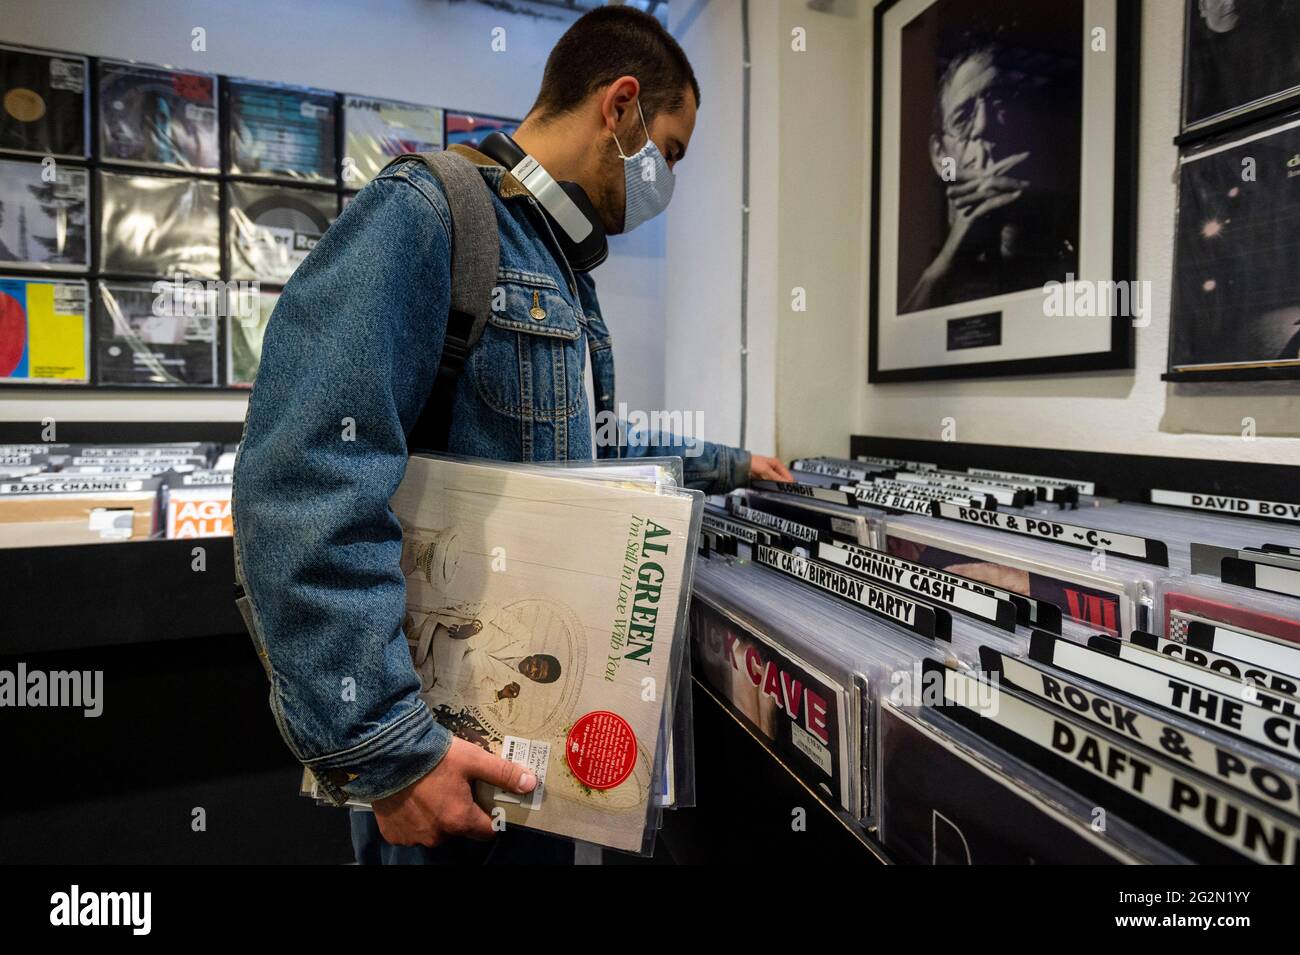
column 704, row 228
column 427, row 51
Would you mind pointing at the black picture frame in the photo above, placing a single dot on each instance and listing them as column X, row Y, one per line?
column 1234, row 349
column 1236, row 115
column 1120, row 353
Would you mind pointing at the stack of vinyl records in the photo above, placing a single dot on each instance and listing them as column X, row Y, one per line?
column 546, row 620
column 1028, row 672
column 58, row 494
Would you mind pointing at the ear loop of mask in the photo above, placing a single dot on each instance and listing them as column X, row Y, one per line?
column 643, row 126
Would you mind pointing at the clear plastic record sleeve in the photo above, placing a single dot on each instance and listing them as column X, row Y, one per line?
column 1181, row 530
column 281, row 131
column 44, row 103
column 1205, row 819
column 469, row 129
column 156, row 335
column 546, row 620
column 1113, row 594
column 675, row 759
column 44, row 331
column 159, row 225
column 948, row 798
column 375, row 130
column 44, row 215
column 1198, row 601
column 1255, row 771
column 805, row 712
column 154, row 116
column 273, row 228
column 197, row 504
column 828, row 512
column 245, row 330
column 1271, row 665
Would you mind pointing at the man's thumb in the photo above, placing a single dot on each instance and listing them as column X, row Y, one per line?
column 503, row 774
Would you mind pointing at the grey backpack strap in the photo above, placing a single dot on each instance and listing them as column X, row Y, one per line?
column 475, row 256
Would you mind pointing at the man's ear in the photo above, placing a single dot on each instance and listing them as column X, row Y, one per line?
column 618, row 97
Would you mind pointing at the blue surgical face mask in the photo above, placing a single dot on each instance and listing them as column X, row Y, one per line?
column 647, row 180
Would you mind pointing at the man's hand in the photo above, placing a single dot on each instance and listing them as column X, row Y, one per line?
column 969, row 200
column 763, row 468
column 441, row 804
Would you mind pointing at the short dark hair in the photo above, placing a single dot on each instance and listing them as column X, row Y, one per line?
column 609, row 42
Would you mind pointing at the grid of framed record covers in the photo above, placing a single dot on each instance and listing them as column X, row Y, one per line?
column 150, row 216
column 1235, row 314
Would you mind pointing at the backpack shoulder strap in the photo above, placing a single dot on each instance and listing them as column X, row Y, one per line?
column 475, row 257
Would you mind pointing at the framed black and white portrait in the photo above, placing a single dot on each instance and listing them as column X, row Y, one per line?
column 1235, row 313
column 1003, row 188
column 1241, row 60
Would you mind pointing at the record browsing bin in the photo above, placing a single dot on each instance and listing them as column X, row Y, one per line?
column 1119, row 677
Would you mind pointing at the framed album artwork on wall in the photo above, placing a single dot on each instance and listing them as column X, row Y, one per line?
column 1241, row 61
column 1235, row 314
column 1003, row 185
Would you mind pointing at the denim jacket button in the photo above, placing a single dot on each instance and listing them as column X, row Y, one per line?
column 537, row 313
column 340, row 777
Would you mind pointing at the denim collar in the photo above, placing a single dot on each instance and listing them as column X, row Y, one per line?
column 506, row 185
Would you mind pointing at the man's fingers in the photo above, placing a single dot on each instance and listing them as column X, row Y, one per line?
column 964, row 188
column 781, row 471
column 997, row 202
column 1002, row 165
column 987, row 188
column 511, row 777
column 475, row 823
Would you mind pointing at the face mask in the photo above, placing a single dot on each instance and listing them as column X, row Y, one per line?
column 647, row 180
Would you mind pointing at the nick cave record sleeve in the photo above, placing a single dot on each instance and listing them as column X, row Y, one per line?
column 149, row 337
column 156, row 116
column 1236, row 294
column 542, row 619
column 43, row 215
column 44, row 109
column 797, row 709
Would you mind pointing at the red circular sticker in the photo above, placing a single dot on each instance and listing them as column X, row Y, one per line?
column 601, row 749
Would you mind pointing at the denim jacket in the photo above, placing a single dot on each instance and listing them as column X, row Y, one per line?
column 348, row 360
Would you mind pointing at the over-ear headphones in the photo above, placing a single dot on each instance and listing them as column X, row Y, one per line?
column 577, row 225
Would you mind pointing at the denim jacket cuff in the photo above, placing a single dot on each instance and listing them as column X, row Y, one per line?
column 392, row 759
column 735, row 469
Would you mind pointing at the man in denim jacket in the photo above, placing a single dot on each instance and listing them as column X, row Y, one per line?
column 348, row 361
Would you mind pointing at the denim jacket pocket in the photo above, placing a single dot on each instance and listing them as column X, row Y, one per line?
column 528, row 363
